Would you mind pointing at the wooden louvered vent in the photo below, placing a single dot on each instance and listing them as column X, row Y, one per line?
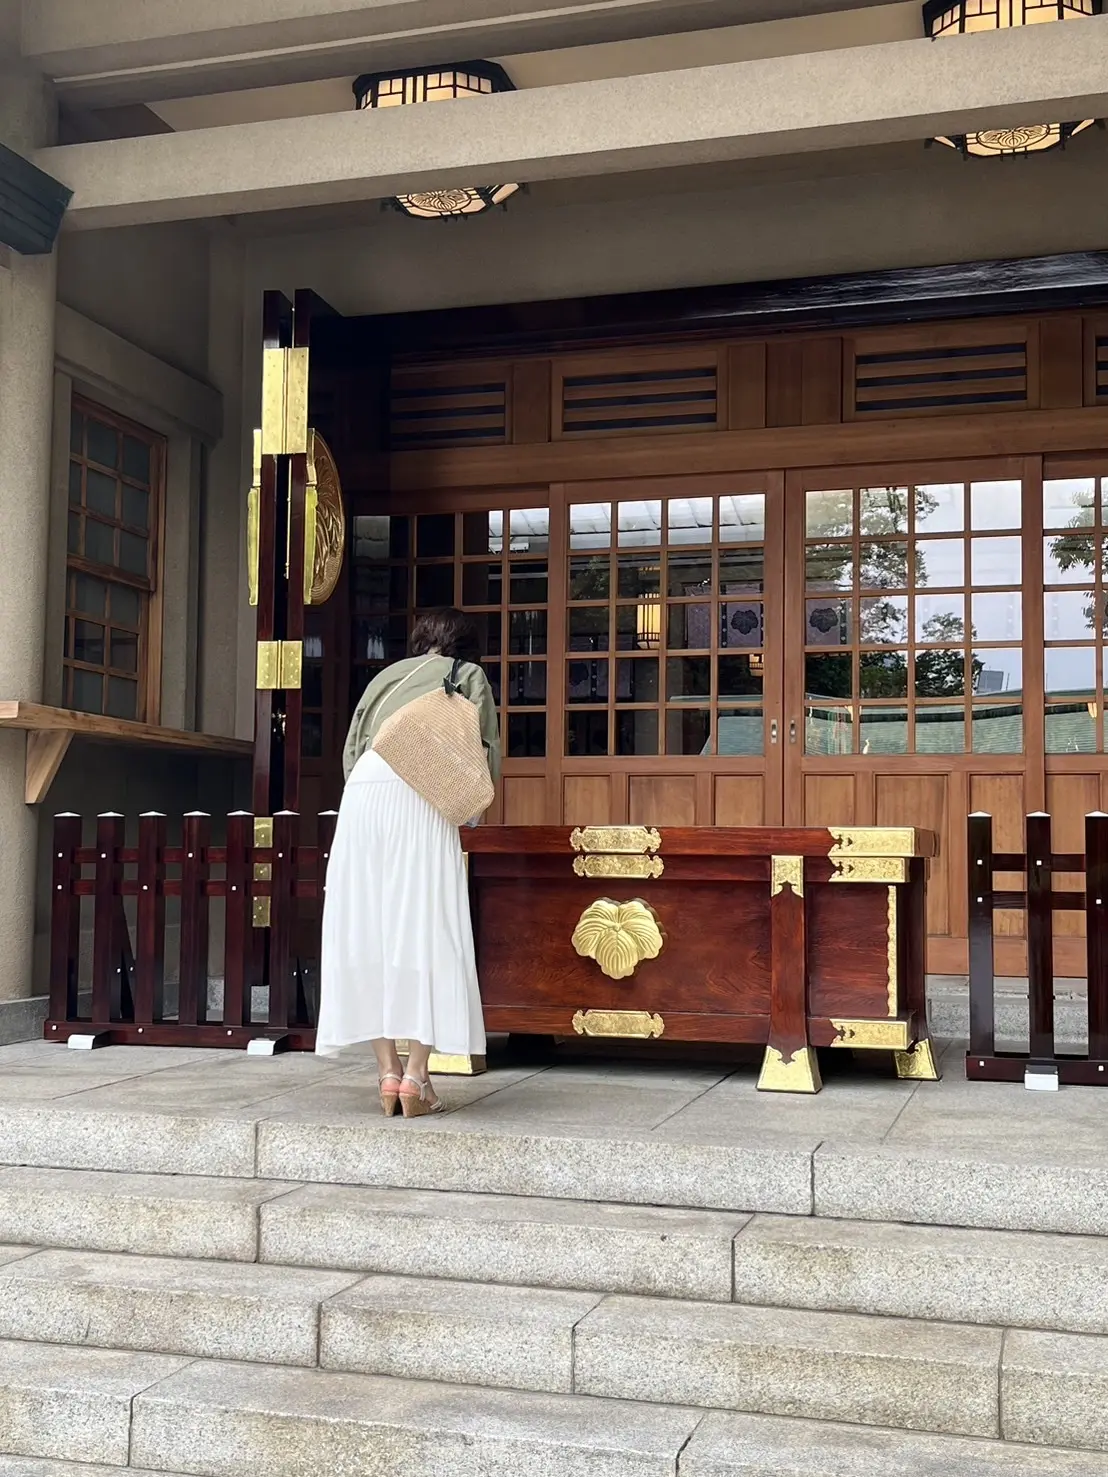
column 662, row 398
column 1101, row 361
column 948, row 378
column 426, row 411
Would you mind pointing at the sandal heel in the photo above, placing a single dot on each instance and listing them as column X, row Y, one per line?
column 390, row 1100
column 419, row 1105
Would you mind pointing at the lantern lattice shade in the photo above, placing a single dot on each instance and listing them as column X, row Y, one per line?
column 434, row 85
column 964, row 17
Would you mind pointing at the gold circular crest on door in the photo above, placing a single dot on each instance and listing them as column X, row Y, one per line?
column 330, row 524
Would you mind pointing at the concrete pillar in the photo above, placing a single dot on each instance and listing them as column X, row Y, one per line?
column 27, row 301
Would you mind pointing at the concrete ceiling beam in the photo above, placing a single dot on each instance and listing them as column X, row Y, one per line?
column 105, row 53
column 866, row 96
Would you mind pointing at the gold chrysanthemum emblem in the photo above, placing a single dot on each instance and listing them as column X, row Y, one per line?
column 619, row 936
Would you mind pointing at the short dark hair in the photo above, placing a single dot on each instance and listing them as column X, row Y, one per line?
column 448, row 631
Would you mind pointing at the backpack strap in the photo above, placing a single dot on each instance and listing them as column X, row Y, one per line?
column 450, row 683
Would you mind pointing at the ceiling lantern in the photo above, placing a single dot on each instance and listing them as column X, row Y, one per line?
column 398, row 88
column 960, row 17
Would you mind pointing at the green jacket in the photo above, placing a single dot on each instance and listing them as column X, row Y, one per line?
column 381, row 699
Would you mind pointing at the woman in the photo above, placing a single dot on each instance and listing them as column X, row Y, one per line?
column 398, row 960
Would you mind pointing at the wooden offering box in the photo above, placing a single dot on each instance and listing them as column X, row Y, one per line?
column 791, row 939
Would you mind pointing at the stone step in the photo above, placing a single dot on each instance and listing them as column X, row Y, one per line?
column 762, row 1172
column 505, row 1239
column 242, row 1420
column 959, row 1176
column 24, row 1466
column 64, row 1406
column 769, row 1446
column 213, row 1310
column 1010, row 1279
column 170, row 1215
column 74, row 1405
column 931, row 1376
column 937, row 1377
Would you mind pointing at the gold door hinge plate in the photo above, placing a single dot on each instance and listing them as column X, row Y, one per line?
column 284, row 402
column 637, row 1024
column 622, row 840
column 871, row 1035
column 280, row 665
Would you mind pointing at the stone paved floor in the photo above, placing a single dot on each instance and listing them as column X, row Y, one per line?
column 669, row 1100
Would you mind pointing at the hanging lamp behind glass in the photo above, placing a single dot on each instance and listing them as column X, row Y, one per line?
column 409, row 85
column 944, row 18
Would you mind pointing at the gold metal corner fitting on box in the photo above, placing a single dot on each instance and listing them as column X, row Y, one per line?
column 787, row 871
column 872, row 1035
column 798, row 1073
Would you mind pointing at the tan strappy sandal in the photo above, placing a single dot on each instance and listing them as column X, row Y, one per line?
column 419, row 1104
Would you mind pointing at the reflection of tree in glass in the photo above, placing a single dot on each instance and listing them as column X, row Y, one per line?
column 1078, row 551
column 885, row 566
column 942, row 673
column 591, row 580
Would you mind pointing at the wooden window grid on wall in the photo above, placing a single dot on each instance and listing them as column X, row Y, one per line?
column 115, row 537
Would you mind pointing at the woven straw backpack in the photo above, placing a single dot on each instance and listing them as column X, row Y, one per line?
column 434, row 743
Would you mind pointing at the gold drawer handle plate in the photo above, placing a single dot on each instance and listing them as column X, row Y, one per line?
column 623, row 840
column 637, row 868
column 639, row 1024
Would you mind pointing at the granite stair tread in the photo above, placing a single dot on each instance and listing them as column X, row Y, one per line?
column 928, row 1375
column 1011, row 1279
column 98, row 1210
column 65, row 1407
column 505, row 1239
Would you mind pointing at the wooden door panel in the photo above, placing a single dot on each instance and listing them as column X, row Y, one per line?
column 830, row 800
column 587, row 800
column 922, row 800
column 524, row 801
column 740, row 800
column 1002, row 796
column 662, row 800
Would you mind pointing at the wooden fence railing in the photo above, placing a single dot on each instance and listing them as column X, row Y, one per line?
column 1039, row 899
column 115, row 907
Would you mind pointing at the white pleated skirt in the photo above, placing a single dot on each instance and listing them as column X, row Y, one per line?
column 398, row 957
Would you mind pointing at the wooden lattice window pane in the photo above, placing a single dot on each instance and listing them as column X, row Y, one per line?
column 115, row 494
column 913, row 619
